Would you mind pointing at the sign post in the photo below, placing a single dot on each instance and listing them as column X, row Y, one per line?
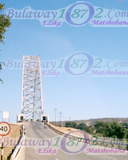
column 5, row 129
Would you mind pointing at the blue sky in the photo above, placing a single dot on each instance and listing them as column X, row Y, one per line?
column 80, row 97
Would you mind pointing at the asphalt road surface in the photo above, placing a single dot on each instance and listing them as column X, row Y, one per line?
column 36, row 130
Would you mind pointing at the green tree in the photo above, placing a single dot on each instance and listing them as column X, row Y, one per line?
column 74, row 125
column 1, row 63
column 81, row 126
column 71, row 124
column 101, row 128
column 4, row 23
column 118, row 130
column 112, row 129
column 125, row 125
column 68, row 124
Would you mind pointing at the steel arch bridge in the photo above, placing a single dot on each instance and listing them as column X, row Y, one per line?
column 32, row 98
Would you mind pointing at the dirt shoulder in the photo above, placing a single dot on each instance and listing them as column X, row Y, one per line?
column 14, row 133
column 74, row 132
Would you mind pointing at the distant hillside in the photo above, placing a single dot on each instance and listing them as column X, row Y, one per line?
column 93, row 121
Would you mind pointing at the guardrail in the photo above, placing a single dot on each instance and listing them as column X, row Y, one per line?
column 114, row 143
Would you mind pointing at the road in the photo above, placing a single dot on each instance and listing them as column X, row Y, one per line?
column 36, row 130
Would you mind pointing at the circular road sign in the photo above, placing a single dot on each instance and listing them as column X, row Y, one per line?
column 5, row 128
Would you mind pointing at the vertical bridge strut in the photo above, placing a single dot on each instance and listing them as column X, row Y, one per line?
column 32, row 102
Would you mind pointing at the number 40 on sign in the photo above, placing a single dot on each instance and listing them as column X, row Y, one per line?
column 5, row 128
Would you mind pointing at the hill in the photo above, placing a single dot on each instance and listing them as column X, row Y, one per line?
column 93, row 121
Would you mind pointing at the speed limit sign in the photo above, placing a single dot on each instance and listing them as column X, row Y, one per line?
column 5, row 128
